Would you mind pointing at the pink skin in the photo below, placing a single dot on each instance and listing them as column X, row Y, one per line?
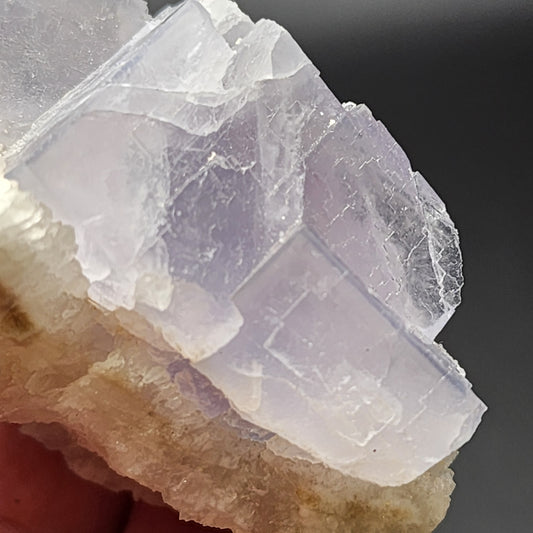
column 39, row 494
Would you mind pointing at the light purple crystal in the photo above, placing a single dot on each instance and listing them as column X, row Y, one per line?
column 49, row 47
column 272, row 236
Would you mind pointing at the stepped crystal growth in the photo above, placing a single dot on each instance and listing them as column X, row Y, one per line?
column 266, row 252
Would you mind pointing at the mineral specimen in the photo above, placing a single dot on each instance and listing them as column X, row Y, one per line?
column 232, row 292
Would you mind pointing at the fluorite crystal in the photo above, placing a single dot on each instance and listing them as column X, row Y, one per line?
column 238, row 256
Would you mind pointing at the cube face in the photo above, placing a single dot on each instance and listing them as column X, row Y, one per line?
column 276, row 238
column 321, row 362
column 383, row 220
column 72, row 39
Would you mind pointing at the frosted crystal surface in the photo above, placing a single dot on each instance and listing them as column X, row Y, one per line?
column 49, row 47
column 275, row 238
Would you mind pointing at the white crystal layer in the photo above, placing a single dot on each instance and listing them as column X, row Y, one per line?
column 277, row 239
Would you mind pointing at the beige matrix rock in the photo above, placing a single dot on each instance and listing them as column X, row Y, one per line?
column 217, row 282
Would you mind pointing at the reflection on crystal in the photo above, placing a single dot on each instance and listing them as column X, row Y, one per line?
column 50, row 47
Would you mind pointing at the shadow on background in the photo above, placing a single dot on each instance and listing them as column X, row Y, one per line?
column 453, row 83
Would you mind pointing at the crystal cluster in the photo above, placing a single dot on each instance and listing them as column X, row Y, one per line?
column 252, row 275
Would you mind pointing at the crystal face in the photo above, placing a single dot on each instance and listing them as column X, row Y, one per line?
column 50, row 47
column 224, row 202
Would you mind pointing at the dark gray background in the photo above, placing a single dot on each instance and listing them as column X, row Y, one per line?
column 452, row 81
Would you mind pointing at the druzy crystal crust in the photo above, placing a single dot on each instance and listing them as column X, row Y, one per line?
column 269, row 243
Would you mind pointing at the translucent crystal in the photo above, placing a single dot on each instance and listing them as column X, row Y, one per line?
column 226, row 203
column 48, row 47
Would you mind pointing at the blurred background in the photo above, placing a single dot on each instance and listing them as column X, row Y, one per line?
column 452, row 81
